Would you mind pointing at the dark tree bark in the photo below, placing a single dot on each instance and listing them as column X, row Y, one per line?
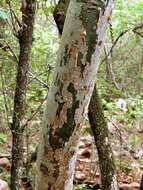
column 25, row 42
column 100, row 132
column 96, row 119
column 60, row 14
column 141, row 183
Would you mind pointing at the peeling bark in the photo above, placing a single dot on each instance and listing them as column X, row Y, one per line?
column 97, row 121
column 70, row 93
column 25, row 42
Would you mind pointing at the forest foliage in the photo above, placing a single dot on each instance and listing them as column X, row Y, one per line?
column 120, row 75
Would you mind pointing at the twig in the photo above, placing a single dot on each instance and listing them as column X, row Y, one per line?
column 140, row 26
column 114, row 44
column 115, row 126
column 12, row 53
column 14, row 56
column 5, row 100
column 120, row 136
column 39, row 80
column 12, row 19
column 36, row 111
column 138, row 33
column 16, row 18
column 111, row 72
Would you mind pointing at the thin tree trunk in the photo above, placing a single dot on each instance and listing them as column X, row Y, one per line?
column 101, row 136
column 97, row 120
column 70, row 93
column 110, row 73
column 25, row 42
column 141, row 183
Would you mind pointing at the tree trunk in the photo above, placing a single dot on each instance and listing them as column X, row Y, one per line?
column 141, row 183
column 100, row 133
column 25, row 42
column 70, row 93
column 97, row 121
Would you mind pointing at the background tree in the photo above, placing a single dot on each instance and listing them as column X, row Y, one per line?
column 24, row 36
column 101, row 135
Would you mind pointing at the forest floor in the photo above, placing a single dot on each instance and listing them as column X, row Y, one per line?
column 128, row 161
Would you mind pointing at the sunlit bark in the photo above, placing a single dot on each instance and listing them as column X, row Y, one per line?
column 97, row 121
column 70, row 93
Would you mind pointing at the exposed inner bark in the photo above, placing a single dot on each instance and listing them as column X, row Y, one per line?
column 96, row 119
column 70, row 93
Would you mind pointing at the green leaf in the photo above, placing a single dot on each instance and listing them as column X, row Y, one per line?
column 3, row 138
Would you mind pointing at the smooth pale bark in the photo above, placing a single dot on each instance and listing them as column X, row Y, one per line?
column 97, row 121
column 25, row 41
column 70, row 93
